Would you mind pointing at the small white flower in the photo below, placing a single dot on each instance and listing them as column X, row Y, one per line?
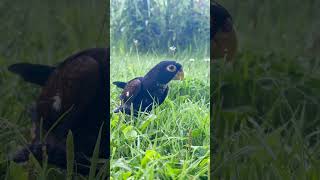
column 152, row 116
column 146, row 22
column 172, row 48
column 122, row 29
column 135, row 42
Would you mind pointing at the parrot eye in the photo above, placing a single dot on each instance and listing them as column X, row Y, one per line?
column 171, row 68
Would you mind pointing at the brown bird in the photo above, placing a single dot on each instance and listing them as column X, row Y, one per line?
column 223, row 36
column 144, row 93
column 76, row 94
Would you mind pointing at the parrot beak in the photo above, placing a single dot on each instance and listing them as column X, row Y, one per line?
column 179, row 75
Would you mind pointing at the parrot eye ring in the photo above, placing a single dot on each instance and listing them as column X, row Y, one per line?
column 171, row 68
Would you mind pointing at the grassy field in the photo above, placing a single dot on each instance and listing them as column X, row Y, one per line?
column 265, row 116
column 42, row 32
column 173, row 141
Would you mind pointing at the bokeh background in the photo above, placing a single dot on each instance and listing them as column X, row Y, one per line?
column 43, row 32
column 266, row 117
column 160, row 24
column 289, row 27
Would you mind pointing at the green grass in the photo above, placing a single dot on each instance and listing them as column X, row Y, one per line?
column 265, row 112
column 173, row 140
column 42, row 32
column 266, row 118
column 265, row 115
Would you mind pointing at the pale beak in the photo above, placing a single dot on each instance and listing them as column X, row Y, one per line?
column 179, row 75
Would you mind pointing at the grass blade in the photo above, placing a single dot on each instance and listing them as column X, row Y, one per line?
column 95, row 155
column 70, row 155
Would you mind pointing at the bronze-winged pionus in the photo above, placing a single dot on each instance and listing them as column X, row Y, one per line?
column 223, row 36
column 75, row 92
column 144, row 93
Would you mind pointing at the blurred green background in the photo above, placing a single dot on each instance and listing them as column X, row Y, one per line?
column 44, row 32
column 266, row 118
column 160, row 24
column 290, row 27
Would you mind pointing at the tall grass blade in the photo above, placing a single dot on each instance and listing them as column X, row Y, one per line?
column 94, row 159
column 70, row 155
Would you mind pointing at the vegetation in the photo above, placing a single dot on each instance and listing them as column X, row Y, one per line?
column 43, row 32
column 266, row 105
column 160, row 24
column 172, row 142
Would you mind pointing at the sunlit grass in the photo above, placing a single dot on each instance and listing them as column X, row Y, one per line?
column 173, row 140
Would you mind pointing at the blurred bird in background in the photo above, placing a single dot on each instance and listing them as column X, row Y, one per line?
column 73, row 97
column 222, row 34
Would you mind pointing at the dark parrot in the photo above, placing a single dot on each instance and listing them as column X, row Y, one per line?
column 222, row 34
column 142, row 93
column 76, row 93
